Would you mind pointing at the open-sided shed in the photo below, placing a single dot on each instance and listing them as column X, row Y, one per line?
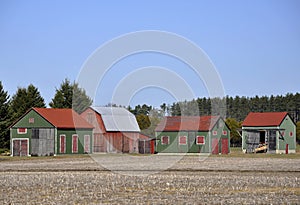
column 116, row 129
column 48, row 131
column 193, row 134
column 272, row 132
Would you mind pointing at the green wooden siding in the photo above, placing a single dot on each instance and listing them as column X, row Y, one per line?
column 69, row 133
column 287, row 126
column 39, row 121
column 192, row 146
column 175, row 147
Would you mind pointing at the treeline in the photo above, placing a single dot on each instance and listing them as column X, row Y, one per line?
column 234, row 109
column 237, row 107
column 68, row 95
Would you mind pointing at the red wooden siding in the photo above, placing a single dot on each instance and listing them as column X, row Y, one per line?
column 110, row 141
column 215, row 146
column 225, row 146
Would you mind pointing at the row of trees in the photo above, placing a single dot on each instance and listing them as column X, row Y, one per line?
column 67, row 95
column 237, row 107
column 233, row 109
column 70, row 95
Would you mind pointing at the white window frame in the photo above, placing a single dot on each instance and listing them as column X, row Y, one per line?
column 185, row 140
column 22, row 133
column 224, row 132
column 214, row 132
column 65, row 148
column 202, row 136
column 75, row 135
column 162, row 140
column 85, row 143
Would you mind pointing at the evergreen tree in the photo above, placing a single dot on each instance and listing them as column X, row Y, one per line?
column 4, row 118
column 63, row 96
column 24, row 99
column 70, row 95
column 81, row 101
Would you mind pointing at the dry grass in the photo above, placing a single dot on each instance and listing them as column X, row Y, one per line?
column 192, row 180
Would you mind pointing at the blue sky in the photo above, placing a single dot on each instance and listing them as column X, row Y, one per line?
column 254, row 45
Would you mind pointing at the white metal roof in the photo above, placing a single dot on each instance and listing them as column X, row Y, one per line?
column 117, row 119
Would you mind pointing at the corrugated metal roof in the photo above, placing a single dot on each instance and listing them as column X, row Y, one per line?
column 187, row 123
column 264, row 119
column 63, row 118
column 117, row 119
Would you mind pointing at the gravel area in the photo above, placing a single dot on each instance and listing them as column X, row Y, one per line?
column 215, row 180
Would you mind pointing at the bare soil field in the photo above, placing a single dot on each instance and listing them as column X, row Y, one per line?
column 189, row 180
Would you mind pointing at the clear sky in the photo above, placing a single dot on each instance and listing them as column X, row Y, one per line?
column 254, row 44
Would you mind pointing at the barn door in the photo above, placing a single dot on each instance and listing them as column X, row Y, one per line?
column 87, row 143
column 20, row 147
column 74, row 143
column 62, row 148
column 272, row 141
column 225, row 146
column 215, row 146
column 125, row 144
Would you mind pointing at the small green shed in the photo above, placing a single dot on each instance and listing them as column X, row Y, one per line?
column 49, row 131
column 271, row 132
column 192, row 134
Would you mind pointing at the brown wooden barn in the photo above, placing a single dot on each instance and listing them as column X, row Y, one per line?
column 116, row 129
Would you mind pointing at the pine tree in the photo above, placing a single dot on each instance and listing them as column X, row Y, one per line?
column 24, row 99
column 63, row 96
column 70, row 95
column 80, row 101
column 4, row 118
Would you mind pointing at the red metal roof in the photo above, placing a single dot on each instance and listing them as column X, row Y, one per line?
column 264, row 119
column 187, row 123
column 63, row 118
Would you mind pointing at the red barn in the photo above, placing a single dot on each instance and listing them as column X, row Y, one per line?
column 116, row 129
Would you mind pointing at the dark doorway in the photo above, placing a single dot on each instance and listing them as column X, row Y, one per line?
column 272, row 141
column 262, row 137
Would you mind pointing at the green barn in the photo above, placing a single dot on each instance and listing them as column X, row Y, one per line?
column 49, row 131
column 192, row 134
column 271, row 132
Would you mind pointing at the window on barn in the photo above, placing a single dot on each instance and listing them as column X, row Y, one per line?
column 62, row 146
column 31, row 120
column 22, row 130
column 35, row 134
column 224, row 132
column 182, row 140
column 165, row 140
column 215, row 132
column 291, row 134
column 87, row 143
column 200, row 140
column 74, row 143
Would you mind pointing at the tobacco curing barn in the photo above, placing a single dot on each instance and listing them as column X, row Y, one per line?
column 48, row 131
column 116, row 129
column 274, row 132
column 183, row 134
